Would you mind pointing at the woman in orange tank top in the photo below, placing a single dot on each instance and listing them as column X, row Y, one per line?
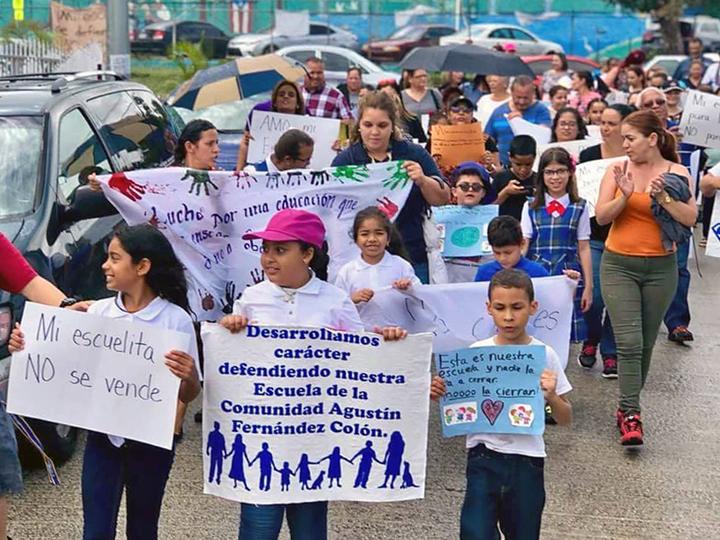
column 638, row 274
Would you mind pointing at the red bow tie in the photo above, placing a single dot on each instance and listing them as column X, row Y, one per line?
column 555, row 206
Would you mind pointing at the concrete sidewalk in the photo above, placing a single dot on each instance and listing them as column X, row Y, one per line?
column 669, row 490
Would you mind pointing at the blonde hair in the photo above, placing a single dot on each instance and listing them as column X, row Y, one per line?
column 383, row 102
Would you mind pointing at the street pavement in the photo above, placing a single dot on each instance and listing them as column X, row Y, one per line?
column 668, row 490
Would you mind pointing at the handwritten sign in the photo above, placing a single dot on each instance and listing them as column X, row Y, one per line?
column 573, row 147
column 492, row 390
column 589, row 175
column 713, row 241
column 464, row 230
column 309, row 414
column 520, row 126
column 451, row 145
column 456, row 315
column 79, row 370
column 267, row 127
column 204, row 215
column 75, row 28
column 700, row 121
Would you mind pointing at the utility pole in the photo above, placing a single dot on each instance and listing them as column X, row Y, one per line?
column 118, row 45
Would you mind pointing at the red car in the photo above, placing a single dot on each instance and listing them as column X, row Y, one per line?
column 404, row 40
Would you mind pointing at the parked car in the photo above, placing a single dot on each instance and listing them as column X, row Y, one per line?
column 705, row 28
column 157, row 38
column 489, row 35
column 318, row 33
column 670, row 62
column 55, row 130
column 405, row 39
column 540, row 64
column 337, row 61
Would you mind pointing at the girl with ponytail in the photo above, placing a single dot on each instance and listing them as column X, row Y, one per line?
column 638, row 272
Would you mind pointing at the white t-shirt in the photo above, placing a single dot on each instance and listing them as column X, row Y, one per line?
column 583, row 230
column 486, row 105
column 316, row 303
column 524, row 445
column 160, row 313
column 358, row 274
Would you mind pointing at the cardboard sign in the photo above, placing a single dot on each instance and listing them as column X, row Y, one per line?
column 267, row 127
column 296, row 415
column 451, row 145
column 700, row 122
column 81, row 370
column 464, row 230
column 589, row 176
column 492, row 390
column 77, row 27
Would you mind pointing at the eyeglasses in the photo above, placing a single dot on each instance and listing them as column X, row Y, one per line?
column 653, row 103
column 476, row 187
column 567, row 124
column 556, row 172
column 464, row 110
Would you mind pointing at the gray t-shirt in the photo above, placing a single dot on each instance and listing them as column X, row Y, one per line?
column 430, row 103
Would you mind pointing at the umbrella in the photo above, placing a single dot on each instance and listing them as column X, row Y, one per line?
column 467, row 58
column 233, row 81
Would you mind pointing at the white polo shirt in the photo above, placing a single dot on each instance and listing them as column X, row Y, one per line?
column 358, row 274
column 160, row 313
column 316, row 303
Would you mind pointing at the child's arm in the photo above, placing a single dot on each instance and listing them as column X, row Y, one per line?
column 437, row 388
column 561, row 408
column 402, row 284
column 392, row 333
column 362, row 295
column 234, row 323
column 182, row 366
column 586, row 264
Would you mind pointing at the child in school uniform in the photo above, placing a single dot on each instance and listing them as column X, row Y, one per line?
column 557, row 226
column 292, row 294
column 505, row 473
column 149, row 279
column 380, row 263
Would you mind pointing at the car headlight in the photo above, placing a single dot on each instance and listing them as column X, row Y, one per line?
column 391, row 49
column 5, row 323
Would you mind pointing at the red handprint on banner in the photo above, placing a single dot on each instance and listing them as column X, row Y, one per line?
column 132, row 190
column 387, row 207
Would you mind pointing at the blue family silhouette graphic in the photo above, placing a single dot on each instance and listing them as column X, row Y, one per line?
column 302, row 474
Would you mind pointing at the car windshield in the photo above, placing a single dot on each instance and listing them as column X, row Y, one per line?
column 407, row 32
column 229, row 116
column 20, row 161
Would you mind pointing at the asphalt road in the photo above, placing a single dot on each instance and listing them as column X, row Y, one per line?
column 669, row 490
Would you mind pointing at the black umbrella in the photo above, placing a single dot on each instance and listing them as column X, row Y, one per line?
column 467, row 58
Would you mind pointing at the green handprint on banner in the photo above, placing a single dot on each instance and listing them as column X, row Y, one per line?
column 200, row 180
column 353, row 173
column 398, row 176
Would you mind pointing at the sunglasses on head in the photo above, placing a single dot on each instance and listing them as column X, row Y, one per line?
column 476, row 187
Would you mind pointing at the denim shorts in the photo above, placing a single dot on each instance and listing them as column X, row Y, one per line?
column 10, row 472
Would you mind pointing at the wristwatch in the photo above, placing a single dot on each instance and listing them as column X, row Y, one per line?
column 67, row 302
column 665, row 198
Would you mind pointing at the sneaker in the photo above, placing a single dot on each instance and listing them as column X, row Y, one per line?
column 680, row 334
column 631, row 431
column 610, row 368
column 586, row 358
column 549, row 420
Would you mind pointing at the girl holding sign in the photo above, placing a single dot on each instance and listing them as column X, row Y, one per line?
column 143, row 269
column 292, row 255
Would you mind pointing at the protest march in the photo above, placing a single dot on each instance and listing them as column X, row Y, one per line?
column 309, row 312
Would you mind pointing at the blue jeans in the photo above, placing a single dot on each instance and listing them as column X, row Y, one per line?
column 306, row 521
column 508, row 489
column 678, row 314
column 142, row 470
column 599, row 331
column 422, row 271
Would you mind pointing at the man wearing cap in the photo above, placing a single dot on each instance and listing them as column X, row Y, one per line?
column 522, row 104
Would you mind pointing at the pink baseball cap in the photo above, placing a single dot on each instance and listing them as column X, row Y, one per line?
column 291, row 225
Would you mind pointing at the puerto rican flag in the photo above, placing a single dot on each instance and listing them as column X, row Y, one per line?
column 240, row 16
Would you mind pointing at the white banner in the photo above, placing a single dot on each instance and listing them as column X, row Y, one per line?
column 541, row 134
column 456, row 314
column 204, row 215
column 267, row 127
column 588, row 176
column 573, row 147
column 713, row 240
column 291, row 23
column 297, row 415
column 700, row 122
column 81, row 370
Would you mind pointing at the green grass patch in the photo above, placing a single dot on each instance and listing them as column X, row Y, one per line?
column 161, row 80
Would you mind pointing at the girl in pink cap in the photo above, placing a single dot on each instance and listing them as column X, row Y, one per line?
column 293, row 259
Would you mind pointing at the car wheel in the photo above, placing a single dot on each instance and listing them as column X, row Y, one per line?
column 270, row 49
column 59, row 441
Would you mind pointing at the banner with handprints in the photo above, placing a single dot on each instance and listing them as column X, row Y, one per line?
column 204, row 215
